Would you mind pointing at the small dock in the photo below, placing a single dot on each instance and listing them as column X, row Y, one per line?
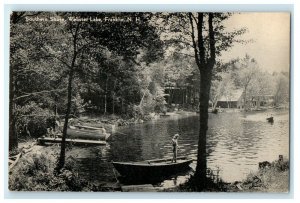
column 44, row 140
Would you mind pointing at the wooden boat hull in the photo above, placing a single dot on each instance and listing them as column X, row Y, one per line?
column 87, row 134
column 151, row 170
column 45, row 140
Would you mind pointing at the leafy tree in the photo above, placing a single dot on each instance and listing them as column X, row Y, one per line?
column 204, row 37
column 246, row 74
column 209, row 39
column 122, row 39
column 281, row 89
column 30, row 78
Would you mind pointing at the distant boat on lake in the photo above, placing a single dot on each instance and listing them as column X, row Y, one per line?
column 270, row 119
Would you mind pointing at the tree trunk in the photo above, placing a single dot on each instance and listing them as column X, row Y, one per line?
column 245, row 99
column 141, row 102
column 113, row 98
column 205, row 66
column 170, row 97
column 215, row 104
column 105, row 97
column 113, row 103
column 61, row 161
column 205, row 84
column 13, row 135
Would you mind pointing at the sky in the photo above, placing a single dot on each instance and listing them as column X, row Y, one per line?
column 270, row 33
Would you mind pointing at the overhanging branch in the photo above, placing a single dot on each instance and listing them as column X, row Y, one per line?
column 41, row 92
column 193, row 40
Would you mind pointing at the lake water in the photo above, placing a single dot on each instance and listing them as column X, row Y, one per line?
column 235, row 144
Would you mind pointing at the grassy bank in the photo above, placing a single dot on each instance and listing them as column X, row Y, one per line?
column 271, row 177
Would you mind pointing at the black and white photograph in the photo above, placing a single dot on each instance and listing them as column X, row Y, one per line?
column 149, row 101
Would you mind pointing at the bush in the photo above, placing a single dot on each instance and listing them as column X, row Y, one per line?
column 32, row 120
column 36, row 173
column 135, row 111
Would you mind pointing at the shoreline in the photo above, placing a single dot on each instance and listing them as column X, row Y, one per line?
column 37, row 166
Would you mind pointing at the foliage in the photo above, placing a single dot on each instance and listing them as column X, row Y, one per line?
column 36, row 173
column 274, row 178
column 99, row 58
column 281, row 89
column 33, row 120
column 245, row 74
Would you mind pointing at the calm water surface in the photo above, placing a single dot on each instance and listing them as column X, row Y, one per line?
column 235, row 143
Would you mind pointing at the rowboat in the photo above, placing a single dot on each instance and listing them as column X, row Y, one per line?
column 151, row 170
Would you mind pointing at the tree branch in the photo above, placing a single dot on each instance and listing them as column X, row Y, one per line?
column 184, row 54
column 54, row 56
column 200, row 38
column 212, row 42
column 41, row 92
column 194, row 41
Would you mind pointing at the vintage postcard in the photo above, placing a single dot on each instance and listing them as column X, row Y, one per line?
column 149, row 101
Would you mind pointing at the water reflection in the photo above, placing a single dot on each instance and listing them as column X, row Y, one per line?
column 235, row 144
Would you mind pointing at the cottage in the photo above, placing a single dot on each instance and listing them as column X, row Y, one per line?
column 233, row 100
column 236, row 100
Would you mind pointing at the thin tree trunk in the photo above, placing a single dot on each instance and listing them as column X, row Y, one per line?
column 122, row 106
column 61, row 160
column 245, row 99
column 215, row 104
column 105, row 96
column 170, row 97
column 13, row 135
column 141, row 102
column 113, row 98
column 113, row 104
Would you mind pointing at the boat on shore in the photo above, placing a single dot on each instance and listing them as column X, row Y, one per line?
column 152, row 170
column 164, row 115
column 80, row 135
column 46, row 140
column 86, row 133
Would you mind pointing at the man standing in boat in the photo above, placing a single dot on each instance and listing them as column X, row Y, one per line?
column 175, row 147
